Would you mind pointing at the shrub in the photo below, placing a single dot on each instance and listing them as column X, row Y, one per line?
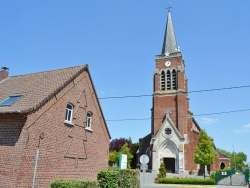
column 108, row 179
column 162, row 171
column 73, row 184
column 129, row 178
column 192, row 181
column 213, row 176
column 125, row 178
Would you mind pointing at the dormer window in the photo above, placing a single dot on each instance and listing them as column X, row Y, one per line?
column 89, row 120
column 69, row 113
column 10, row 100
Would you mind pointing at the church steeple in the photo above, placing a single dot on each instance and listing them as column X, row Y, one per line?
column 169, row 43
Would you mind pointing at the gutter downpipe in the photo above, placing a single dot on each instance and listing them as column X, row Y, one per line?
column 36, row 162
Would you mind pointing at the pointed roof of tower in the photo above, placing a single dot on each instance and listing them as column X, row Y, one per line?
column 169, row 43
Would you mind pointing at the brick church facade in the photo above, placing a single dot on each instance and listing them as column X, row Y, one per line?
column 174, row 131
column 51, row 127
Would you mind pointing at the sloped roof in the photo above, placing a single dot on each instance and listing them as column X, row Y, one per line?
column 35, row 88
column 169, row 43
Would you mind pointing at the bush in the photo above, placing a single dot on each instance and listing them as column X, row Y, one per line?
column 213, row 176
column 73, row 184
column 192, row 181
column 108, row 179
column 126, row 178
column 129, row 178
column 162, row 171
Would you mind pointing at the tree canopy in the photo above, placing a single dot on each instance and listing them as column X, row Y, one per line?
column 240, row 158
column 204, row 153
column 124, row 146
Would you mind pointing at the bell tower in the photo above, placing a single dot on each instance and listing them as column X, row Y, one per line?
column 170, row 84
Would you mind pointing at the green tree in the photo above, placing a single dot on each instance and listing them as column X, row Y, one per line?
column 133, row 150
column 162, row 171
column 126, row 150
column 240, row 158
column 204, row 153
column 113, row 156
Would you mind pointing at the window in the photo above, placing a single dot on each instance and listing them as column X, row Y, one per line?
column 10, row 100
column 168, row 80
column 163, row 80
column 69, row 112
column 174, row 79
column 88, row 120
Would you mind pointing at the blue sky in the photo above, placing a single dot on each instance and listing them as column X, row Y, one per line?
column 119, row 41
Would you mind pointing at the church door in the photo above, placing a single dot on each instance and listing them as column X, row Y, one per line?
column 169, row 164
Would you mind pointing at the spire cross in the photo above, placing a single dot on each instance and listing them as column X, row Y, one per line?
column 169, row 6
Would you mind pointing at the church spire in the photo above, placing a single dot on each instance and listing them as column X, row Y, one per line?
column 169, row 43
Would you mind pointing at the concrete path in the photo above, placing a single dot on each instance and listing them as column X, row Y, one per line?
column 147, row 181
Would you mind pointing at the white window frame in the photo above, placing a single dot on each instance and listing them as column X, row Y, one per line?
column 69, row 113
column 89, row 116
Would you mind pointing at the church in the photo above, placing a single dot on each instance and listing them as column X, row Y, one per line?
column 174, row 130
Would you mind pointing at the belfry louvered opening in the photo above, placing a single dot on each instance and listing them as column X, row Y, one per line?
column 168, row 80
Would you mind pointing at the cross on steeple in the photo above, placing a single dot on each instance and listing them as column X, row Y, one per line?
column 169, row 6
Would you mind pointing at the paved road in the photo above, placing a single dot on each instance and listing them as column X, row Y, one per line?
column 147, row 181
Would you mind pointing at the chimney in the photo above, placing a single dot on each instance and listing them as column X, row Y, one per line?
column 4, row 73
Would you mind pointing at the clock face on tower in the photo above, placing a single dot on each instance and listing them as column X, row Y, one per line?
column 167, row 63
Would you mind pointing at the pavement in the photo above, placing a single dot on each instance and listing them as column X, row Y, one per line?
column 147, row 181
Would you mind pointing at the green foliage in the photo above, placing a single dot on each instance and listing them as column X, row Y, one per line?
column 191, row 181
column 213, row 175
column 129, row 178
column 108, row 179
column 126, row 178
column 113, row 156
column 73, row 184
column 204, row 153
column 112, row 168
column 133, row 150
column 240, row 158
column 126, row 150
column 162, row 171
column 116, row 146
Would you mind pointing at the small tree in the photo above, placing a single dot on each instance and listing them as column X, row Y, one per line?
column 204, row 153
column 113, row 157
column 162, row 171
column 125, row 150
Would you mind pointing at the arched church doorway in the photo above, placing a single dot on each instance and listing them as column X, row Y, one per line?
column 169, row 164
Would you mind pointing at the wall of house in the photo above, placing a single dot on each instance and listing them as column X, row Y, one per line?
column 12, row 142
column 65, row 151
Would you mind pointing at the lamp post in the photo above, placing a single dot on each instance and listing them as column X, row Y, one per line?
column 234, row 159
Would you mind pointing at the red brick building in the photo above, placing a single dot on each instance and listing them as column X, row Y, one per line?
column 51, row 127
column 174, row 131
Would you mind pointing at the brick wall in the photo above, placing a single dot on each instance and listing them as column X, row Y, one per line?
column 66, row 151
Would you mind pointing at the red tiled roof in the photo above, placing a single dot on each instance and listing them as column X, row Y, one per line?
column 35, row 88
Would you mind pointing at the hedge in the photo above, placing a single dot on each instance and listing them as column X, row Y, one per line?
column 192, row 181
column 73, row 184
column 119, row 178
column 129, row 178
column 108, row 179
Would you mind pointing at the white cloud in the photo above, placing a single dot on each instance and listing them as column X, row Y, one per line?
column 243, row 129
column 209, row 120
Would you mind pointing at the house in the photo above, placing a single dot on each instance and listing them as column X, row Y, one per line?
column 174, row 130
column 51, row 127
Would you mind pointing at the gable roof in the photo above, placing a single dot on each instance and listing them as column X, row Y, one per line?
column 36, row 88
